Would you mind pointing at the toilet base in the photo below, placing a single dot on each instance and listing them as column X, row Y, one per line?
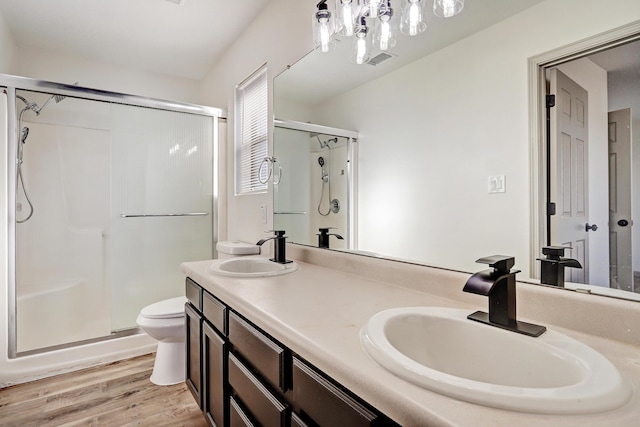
column 170, row 364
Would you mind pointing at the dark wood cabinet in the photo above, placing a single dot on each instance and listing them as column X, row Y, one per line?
column 193, row 321
column 214, row 371
column 241, row 376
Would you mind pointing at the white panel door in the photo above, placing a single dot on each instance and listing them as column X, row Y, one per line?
column 620, row 200
column 569, row 148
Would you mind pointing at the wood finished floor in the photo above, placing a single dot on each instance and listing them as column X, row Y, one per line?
column 117, row 394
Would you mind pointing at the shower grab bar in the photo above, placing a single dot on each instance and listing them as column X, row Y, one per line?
column 291, row 213
column 163, row 215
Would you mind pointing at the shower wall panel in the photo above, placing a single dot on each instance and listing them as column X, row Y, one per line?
column 61, row 251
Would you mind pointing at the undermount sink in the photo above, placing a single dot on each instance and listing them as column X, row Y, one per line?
column 441, row 350
column 251, row 267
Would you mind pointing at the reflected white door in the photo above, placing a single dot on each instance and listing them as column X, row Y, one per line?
column 620, row 200
column 569, row 142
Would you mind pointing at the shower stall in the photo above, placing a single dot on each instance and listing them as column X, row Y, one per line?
column 106, row 194
column 318, row 182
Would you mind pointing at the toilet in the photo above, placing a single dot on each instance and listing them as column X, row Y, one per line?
column 165, row 322
column 235, row 248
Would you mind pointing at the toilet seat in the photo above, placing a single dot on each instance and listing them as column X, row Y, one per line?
column 167, row 309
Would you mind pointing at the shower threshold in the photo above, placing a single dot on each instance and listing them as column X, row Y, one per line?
column 114, row 335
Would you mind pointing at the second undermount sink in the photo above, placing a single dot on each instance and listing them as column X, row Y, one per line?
column 251, row 267
column 441, row 350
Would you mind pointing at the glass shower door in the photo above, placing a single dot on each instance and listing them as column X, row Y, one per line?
column 161, row 205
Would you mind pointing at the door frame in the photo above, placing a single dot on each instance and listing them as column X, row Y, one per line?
column 537, row 122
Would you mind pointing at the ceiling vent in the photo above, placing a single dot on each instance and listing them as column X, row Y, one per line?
column 379, row 59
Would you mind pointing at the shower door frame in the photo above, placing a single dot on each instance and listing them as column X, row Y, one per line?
column 352, row 168
column 14, row 83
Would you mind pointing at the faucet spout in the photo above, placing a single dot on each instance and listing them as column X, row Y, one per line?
column 279, row 246
column 499, row 284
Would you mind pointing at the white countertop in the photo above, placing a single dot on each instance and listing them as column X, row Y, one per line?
column 317, row 312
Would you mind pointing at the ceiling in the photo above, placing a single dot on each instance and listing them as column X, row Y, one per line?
column 182, row 39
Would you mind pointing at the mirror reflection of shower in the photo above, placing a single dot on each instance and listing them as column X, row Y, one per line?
column 24, row 133
column 333, row 205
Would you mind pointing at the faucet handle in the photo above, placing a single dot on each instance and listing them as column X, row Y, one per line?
column 554, row 252
column 278, row 233
column 501, row 263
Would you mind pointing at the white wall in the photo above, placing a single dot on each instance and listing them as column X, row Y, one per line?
column 278, row 37
column 594, row 80
column 46, row 65
column 7, row 49
column 481, row 85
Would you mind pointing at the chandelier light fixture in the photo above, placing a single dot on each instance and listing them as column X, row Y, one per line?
column 374, row 23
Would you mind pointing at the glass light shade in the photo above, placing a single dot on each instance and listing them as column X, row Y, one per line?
column 447, row 8
column 361, row 51
column 323, row 31
column 346, row 14
column 384, row 35
column 371, row 8
column 413, row 19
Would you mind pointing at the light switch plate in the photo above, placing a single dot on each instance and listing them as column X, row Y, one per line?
column 497, row 184
column 263, row 213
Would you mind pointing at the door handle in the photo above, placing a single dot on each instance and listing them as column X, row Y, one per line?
column 588, row 227
column 623, row 223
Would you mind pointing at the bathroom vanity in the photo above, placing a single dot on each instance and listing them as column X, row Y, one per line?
column 240, row 373
column 285, row 350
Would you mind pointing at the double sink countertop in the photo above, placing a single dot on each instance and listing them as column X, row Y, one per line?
column 318, row 312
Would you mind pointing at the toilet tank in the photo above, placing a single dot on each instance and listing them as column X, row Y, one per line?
column 236, row 248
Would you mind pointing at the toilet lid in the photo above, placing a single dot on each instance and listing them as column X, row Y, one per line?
column 166, row 309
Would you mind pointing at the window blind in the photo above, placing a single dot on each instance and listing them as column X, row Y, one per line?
column 251, row 133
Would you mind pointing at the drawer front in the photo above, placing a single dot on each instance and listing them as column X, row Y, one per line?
column 297, row 422
column 262, row 405
column 262, row 353
column 213, row 375
column 325, row 403
column 193, row 291
column 193, row 375
column 237, row 417
column 215, row 312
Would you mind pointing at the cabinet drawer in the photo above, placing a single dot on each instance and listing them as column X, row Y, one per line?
column 325, row 403
column 193, row 291
column 215, row 312
column 237, row 417
column 296, row 421
column 260, row 351
column 266, row 408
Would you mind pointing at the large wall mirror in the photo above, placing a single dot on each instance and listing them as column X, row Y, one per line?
column 444, row 135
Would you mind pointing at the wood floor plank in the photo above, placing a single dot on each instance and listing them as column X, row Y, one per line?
column 118, row 394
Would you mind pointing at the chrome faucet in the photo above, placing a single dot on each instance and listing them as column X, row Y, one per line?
column 279, row 246
column 552, row 267
column 323, row 237
column 499, row 284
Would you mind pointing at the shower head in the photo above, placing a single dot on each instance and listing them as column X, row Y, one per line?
column 56, row 98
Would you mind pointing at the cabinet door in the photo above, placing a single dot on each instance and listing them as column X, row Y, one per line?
column 194, row 374
column 214, row 375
